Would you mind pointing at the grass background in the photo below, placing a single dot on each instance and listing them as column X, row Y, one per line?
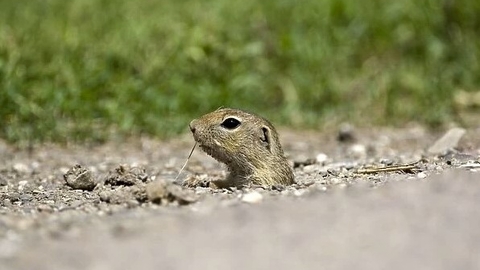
column 86, row 69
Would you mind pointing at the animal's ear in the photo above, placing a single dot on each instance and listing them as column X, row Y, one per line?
column 266, row 138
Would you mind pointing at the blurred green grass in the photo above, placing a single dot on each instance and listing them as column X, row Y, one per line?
column 88, row 69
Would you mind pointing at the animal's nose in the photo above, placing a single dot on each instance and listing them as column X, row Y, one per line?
column 192, row 126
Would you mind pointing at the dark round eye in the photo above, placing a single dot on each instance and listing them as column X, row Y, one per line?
column 230, row 123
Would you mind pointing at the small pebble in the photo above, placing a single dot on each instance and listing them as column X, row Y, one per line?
column 126, row 175
column 104, row 196
column 321, row 158
column 386, row 161
column 162, row 192
column 3, row 181
column 252, row 197
column 342, row 185
column 299, row 192
column 22, row 183
column 323, row 173
column 79, row 178
column 346, row 133
column 45, row 208
column 21, row 168
column 321, row 187
column 157, row 191
column 335, row 181
column 310, row 168
column 447, row 142
column 358, row 151
column 421, row 175
column 132, row 203
column 7, row 203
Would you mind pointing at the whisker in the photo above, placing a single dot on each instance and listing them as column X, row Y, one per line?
column 186, row 161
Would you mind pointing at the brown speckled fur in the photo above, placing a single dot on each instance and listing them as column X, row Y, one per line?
column 251, row 151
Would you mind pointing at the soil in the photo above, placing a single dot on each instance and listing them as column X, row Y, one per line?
column 364, row 199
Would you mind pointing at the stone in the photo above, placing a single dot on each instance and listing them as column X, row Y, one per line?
column 79, row 177
column 162, row 191
column 447, row 142
column 252, row 197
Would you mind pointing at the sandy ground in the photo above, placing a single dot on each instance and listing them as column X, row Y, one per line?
column 422, row 214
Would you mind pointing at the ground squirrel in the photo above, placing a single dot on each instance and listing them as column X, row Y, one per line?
column 248, row 144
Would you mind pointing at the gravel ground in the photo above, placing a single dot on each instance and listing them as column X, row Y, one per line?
column 364, row 199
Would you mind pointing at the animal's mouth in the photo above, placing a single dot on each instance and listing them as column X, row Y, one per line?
column 207, row 149
column 215, row 153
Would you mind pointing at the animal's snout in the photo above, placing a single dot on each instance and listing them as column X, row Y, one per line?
column 192, row 126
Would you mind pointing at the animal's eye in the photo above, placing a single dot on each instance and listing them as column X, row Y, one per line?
column 230, row 123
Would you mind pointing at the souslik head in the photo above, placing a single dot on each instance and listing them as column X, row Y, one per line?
column 248, row 144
